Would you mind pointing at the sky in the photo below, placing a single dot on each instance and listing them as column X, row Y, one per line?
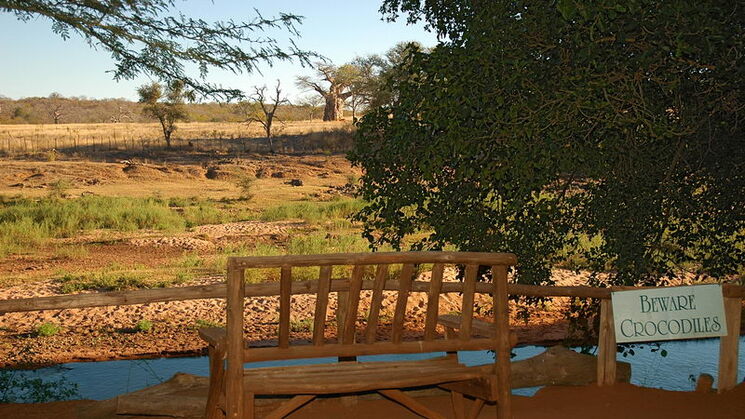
column 37, row 62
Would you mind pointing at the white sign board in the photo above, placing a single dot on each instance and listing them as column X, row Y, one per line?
column 669, row 313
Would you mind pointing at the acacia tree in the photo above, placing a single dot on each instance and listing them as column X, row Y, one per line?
column 262, row 108
column 334, row 84
column 311, row 103
column 152, row 37
column 167, row 106
column 609, row 132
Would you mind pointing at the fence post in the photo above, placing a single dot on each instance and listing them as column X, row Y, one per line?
column 729, row 345
column 606, row 370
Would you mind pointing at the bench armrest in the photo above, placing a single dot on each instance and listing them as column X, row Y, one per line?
column 480, row 327
column 215, row 336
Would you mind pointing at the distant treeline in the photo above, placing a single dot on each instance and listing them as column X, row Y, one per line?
column 71, row 110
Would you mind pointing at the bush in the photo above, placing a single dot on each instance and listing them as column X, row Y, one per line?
column 144, row 325
column 47, row 329
column 246, row 185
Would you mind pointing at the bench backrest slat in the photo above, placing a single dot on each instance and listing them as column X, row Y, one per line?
column 404, row 288
column 322, row 302
column 285, row 287
column 353, row 301
column 433, row 301
column 376, row 301
column 469, row 289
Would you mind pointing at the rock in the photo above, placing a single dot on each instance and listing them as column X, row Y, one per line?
column 215, row 173
column 296, row 182
column 278, row 175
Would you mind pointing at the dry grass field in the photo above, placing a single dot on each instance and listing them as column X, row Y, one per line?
column 23, row 139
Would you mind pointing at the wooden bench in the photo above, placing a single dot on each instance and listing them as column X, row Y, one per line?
column 233, row 388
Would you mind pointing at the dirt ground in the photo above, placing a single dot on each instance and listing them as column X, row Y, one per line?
column 621, row 401
column 106, row 333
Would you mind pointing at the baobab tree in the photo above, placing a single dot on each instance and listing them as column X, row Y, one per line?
column 334, row 84
column 262, row 108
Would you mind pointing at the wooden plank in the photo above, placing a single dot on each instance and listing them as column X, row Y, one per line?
column 469, row 289
column 378, row 348
column 343, row 382
column 502, row 322
column 729, row 345
column 353, row 302
column 404, row 287
column 285, row 285
column 606, row 369
column 376, row 302
column 234, row 374
column 290, row 406
column 322, row 302
column 433, row 301
column 377, row 258
column 407, row 401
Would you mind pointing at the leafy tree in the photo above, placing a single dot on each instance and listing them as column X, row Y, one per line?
column 262, row 108
column 390, row 70
column 167, row 106
column 610, row 131
column 334, row 84
column 151, row 37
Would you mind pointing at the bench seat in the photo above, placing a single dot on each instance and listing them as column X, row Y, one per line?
column 350, row 377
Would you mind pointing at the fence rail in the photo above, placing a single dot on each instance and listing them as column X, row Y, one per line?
column 729, row 345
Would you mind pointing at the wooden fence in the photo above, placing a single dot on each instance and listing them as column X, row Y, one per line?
column 606, row 374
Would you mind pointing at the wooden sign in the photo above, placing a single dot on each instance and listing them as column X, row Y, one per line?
column 672, row 313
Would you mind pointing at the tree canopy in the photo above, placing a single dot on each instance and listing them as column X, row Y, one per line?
column 152, row 37
column 606, row 132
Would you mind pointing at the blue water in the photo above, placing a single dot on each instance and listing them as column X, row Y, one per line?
column 103, row 380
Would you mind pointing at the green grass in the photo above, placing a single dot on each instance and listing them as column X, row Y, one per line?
column 143, row 325
column 47, row 329
column 312, row 212
column 199, row 324
column 28, row 223
column 117, row 278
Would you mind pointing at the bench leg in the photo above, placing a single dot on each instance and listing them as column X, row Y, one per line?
column 216, row 385
column 249, row 411
column 476, row 408
column 409, row 402
column 290, row 406
column 459, row 405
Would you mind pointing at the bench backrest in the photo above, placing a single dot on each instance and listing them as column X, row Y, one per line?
column 369, row 271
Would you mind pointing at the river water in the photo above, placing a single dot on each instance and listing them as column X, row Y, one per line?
column 678, row 370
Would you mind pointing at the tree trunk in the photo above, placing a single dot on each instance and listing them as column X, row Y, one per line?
column 333, row 109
